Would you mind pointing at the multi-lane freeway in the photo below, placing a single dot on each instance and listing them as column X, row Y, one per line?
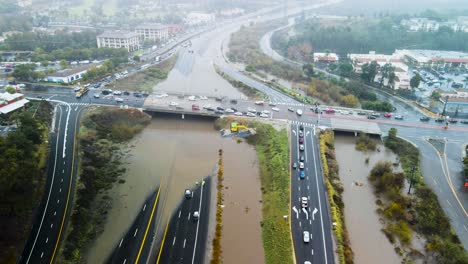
column 310, row 220
column 184, row 238
column 46, row 233
column 134, row 246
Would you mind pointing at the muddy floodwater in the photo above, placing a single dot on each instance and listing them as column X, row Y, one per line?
column 369, row 244
column 176, row 153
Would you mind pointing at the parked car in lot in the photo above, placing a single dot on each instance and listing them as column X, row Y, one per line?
column 96, row 95
column 173, row 104
column 263, row 115
column 250, row 109
column 119, row 100
column 250, row 114
column 117, row 92
column 229, row 110
column 272, row 104
column 195, row 107
column 220, row 108
column 276, row 109
column 238, row 114
column 259, row 102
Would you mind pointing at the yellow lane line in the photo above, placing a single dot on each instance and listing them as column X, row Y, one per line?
column 162, row 243
column 148, row 226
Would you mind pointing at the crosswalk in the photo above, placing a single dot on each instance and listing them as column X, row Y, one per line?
column 75, row 104
column 305, row 124
column 290, row 104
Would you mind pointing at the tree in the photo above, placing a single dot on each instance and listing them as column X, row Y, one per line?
column 349, row 101
column 10, row 89
column 415, row 81
column 449, row 80
column 387, row 71
column 136, row 58
column 436, row 95
column 369, row 70
column 392, row 133
column 63, row 64
column 345, row 69
column 25, row 72
column 308, row 69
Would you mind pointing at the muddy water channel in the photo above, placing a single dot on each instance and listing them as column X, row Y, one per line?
column 367, row 241
column 176, row 153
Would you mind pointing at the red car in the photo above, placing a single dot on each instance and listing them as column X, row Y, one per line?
column 195, row 107
column 387, row 115
column 301, row 140
column 330, row 111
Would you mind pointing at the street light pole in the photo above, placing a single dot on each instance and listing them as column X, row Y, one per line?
column 411, row 180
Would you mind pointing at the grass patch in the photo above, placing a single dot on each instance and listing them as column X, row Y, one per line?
column 420, row 213
column 334, row 191
column 145, row 80
column 250, row 92
column 216, row 257
column 102, row 148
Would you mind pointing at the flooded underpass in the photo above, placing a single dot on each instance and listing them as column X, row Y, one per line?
column 368, row 242
column 177, row 153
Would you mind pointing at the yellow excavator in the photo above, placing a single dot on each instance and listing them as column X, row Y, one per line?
column 236, row 128
column 237, row 131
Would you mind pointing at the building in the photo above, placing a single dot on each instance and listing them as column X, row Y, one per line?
column 11, row 102
column 455, row 93
column 194, row 18
column 175, row 29
column 156, row 32
column 230, row 12
column 119, row 39
column 325, row 57
column 424, row 24
column 70, row 75
column 434, row 58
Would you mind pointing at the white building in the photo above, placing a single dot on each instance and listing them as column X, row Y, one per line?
column 325, row 57
column 194, row 18
column 434, row 57
column 11, row 102
column 70, row 75
column 119, row 39
column 156, row 32
column 424, row 24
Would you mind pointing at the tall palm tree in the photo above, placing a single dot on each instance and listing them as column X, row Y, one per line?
column 449, row 80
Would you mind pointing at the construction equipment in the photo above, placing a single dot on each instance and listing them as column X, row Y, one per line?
column 236, row 127
column 238, row 131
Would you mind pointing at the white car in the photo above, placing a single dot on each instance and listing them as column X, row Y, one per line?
column 164, row 95
column 276, row 109
column 229, row 110
column 250, row 109
column 250, row 114
column 238, row 114
column 96, row 95
column 192, row 98
column 344, row 112
column 263, row 115
column 266, row 112
column 304, row 202
column 173, row 104
column 203, row 98
column 259, row 102
column 306, row 236
column 119, row 100
column 299, row 112
column 117, row 92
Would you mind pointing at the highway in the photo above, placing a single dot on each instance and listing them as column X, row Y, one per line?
column 184, row 239
column 314, row 218
column 48, row 229
column 134, row 246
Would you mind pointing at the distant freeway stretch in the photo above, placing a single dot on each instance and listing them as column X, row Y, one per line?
column 185, row 236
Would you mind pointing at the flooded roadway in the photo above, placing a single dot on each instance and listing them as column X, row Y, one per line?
column 176, row 153
column 368, row 242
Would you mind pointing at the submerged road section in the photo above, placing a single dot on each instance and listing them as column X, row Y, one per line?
column 184, row 239
column 134, row 246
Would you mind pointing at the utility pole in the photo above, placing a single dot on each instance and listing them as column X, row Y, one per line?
column 411, row 179
column 445, row 105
